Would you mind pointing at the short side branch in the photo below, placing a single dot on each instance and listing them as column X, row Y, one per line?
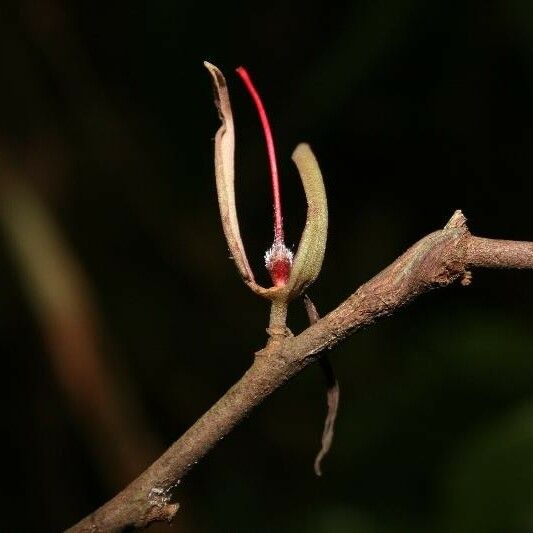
column 437, row 260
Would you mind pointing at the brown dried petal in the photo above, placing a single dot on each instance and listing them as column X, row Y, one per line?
column 225, row 174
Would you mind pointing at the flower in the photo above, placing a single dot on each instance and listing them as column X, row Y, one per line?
column 290, row 275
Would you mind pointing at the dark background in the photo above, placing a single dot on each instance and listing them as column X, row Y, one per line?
column 414, row 109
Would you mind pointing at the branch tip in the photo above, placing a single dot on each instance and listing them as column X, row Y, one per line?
column 458, row 220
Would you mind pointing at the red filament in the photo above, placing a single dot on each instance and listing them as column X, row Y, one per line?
column 278, row 217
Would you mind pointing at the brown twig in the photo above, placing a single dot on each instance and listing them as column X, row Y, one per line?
column 435, row 261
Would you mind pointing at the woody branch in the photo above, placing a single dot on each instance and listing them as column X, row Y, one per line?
column 437, row 260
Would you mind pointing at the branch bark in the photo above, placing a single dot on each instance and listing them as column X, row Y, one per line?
column 437, row 260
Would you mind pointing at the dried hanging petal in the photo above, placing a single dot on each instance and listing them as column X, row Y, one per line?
column 332, row 394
